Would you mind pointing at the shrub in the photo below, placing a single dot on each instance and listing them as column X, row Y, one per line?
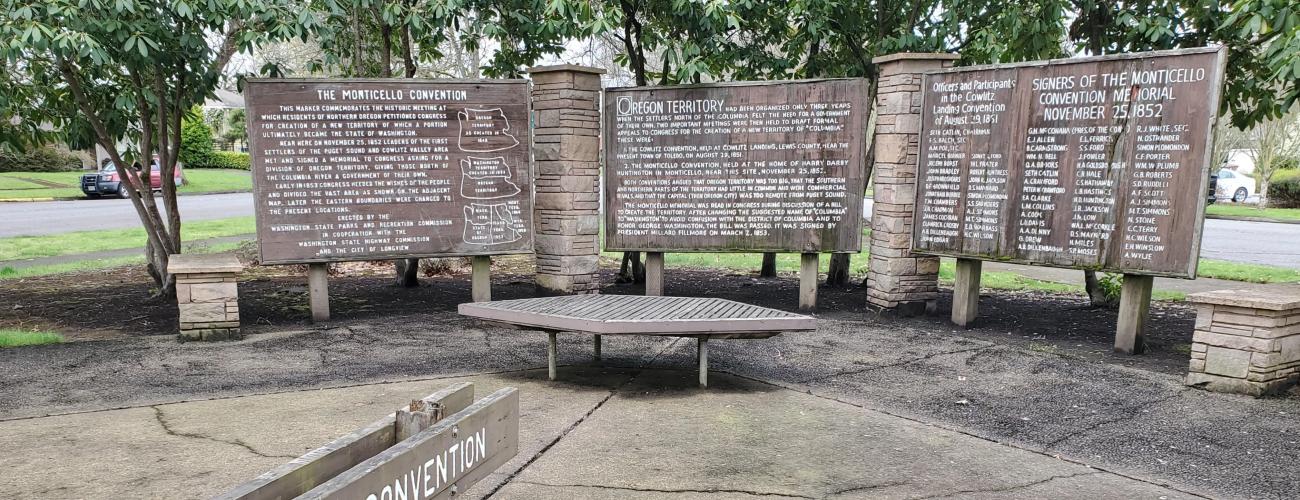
column 224, row 159
column 1284, row 190
column 39, row 160
column 196, row 143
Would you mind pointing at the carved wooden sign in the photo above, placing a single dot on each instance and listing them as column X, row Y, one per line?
column 748, row 166
column 1092, row 163
column 360, row 169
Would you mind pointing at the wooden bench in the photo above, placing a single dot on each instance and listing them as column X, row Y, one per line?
column 599, row 315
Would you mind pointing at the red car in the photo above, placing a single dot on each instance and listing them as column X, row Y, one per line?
column 108, row 181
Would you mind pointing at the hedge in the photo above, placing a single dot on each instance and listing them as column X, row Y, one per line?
column 223, row 159
column 1284, row 190
column 39, row 160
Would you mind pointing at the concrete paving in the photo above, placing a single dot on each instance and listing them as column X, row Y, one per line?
column 865, row 406
column 597, row 434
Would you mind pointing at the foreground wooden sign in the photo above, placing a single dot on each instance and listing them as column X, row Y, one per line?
column 1093, row 163
column 748, row 166
column 357, row 169
column 438, row 447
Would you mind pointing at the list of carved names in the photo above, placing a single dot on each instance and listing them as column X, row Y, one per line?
column 1097, row 164
column 764, row 167
column 356, row 170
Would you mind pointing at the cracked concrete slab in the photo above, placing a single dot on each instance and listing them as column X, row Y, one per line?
column 202, row 448
column 744, row 439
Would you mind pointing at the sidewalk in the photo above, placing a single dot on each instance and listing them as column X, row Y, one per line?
column 596, row 434
column 1075, row 277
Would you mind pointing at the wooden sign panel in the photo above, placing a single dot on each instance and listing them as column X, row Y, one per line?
column 1092, row 163
column 439, row 462
column 750, row 166
column 358, row 169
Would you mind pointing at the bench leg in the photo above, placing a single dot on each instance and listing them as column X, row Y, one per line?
column 597, row 348
column 550, row 355
column 704, row 361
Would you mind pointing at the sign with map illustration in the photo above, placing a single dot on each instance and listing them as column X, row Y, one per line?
column 736, row 167
column 1092, row 163
column 362, row 169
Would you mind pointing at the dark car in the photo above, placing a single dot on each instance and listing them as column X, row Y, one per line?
column 108, row 181
column 1214, row 188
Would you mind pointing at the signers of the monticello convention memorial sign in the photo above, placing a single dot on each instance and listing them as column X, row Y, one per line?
column 1093, row 163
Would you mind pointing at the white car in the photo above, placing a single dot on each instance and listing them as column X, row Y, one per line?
column 1234, row 186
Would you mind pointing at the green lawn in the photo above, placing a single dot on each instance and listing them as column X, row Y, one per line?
column 13, row 185
column 31, row 247
column 17, row 338
column 1233, row 210
column 9, row 273
column 1253, row 273
column 785, row 262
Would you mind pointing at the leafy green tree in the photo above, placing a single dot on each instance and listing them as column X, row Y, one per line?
column 129, row 70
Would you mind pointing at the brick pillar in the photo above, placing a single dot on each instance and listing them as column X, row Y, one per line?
column 207, row 295
column 566, row 160
column 896, row 277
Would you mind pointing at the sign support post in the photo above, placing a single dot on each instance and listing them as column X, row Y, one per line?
column 966, row 292
column 318, row 286
column 481, row 278
column 808, row 281
column 654, row 273
column 1134, row 304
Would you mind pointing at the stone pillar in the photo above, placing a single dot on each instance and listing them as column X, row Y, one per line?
column 896, row 277
column 566, row 162
column 1246, row 341
column 207, row 295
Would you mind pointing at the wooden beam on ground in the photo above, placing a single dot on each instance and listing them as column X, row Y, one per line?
column 320, row 465
column 318, row 286
column 421, row 414
column 808, row 281
column 1134, row 304
column 966, row 292
column 481, row 278
column 654, row 273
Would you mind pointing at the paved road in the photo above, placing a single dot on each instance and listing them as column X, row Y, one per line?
column 1240, row 241
column 52, row 217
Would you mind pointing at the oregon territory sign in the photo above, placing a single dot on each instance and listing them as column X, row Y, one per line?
column 736, row 166
column 1094, row 163
column 351, row 169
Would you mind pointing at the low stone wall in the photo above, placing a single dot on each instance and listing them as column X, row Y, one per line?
column 1246, row 342
column 207, row 295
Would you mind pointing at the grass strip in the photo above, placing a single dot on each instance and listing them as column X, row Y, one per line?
column 17, row 338
column 32, row 247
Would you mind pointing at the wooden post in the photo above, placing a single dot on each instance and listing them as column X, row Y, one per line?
column 318, row 286
column 966, row 292
column 1134, row 303
column 654, row 273
column 481, row 278
column 597, row 348
column 808, row 281
column 704, row 361
column 550, row 355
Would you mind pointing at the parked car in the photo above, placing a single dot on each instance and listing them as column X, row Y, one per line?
column 1234, row 186
column 108, row 181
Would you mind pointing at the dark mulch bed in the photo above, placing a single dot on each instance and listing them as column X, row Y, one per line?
column 86, row 306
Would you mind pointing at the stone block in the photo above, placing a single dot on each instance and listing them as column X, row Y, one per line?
column 1227, row 362
column 585, row 148
column 891, row 148
column 214, row 292
column 202, row 312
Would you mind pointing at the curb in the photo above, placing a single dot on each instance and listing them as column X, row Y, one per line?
column 75, row 198
column 1251, row 219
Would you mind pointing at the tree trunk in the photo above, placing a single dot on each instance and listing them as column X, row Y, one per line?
column 630, row 270
column 1263, row 192
column 838, row 274
column 768, row 269
column 1096, row 295
column 408, row 272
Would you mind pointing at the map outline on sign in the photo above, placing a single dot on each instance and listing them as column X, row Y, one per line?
column 505, row 131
